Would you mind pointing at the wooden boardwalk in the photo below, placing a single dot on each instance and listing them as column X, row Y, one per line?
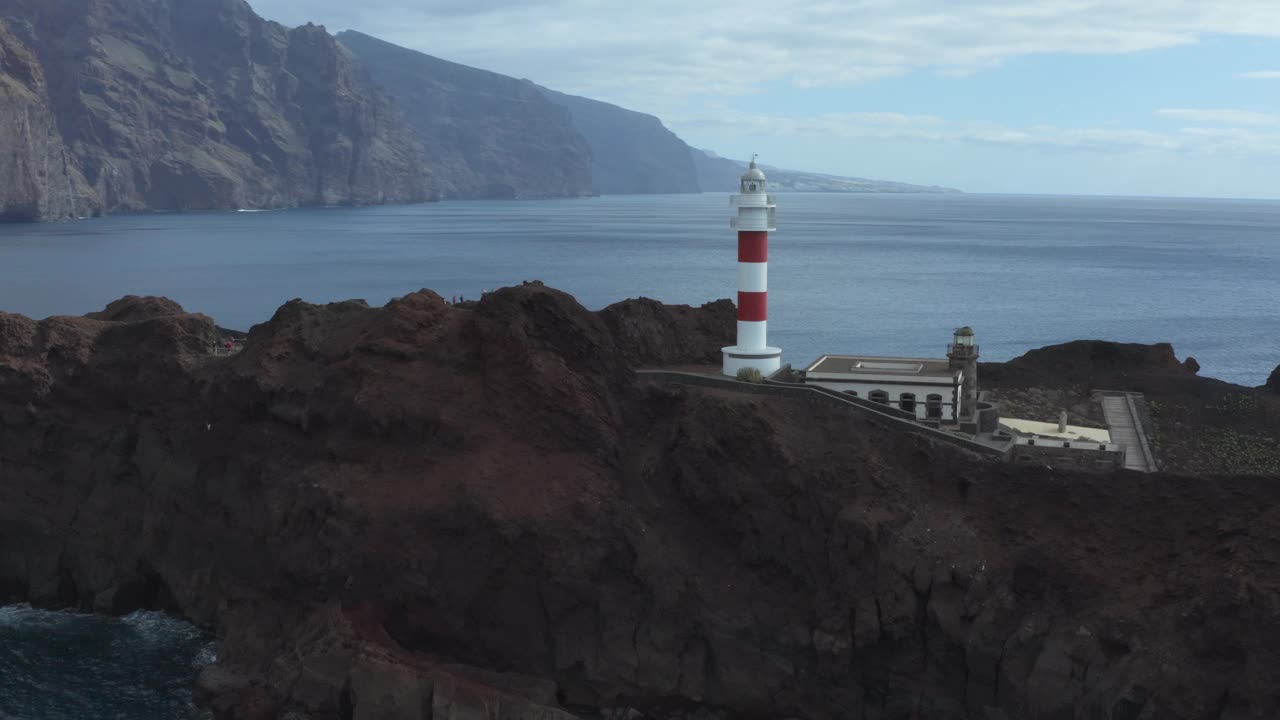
column 1125, row 431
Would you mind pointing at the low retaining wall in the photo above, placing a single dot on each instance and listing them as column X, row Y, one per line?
column 1075, row 454
column 872, row 411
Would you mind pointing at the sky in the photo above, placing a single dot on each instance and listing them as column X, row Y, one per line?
column 1099, row 97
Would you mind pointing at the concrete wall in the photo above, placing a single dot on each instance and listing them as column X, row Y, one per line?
column 864, row 403
column 988, row 417
column 1064, row 454
column 950, row 398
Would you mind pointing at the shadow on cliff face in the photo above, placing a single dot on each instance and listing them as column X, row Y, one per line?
column 385, row 510
column 20, row 214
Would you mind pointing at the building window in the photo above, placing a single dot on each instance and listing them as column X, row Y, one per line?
column 907, row 401
column 879, row 396
column 933, row 407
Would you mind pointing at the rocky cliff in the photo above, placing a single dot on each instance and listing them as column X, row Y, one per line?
column 422, row 511
column 201, row 104
column 631, row 152
column 39, row 178
column 485, row 135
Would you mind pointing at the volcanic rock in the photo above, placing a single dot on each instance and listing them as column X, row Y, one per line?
column 132, row 308
column 1191, row 365
column 1087, row 361
column 650, row 333
column 1273, row 381
column 488, row 508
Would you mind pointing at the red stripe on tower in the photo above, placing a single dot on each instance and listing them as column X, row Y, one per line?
column 753, row 306
column 753, row 246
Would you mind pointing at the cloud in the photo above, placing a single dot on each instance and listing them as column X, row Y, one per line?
column 1221, row 141
column 1261, row 75
column 1220, row 117
column 641, row 52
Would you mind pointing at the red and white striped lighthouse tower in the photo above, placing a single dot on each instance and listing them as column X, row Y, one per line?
column 755, row 219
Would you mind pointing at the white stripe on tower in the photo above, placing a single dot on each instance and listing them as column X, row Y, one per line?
column 753, row 277
column 752, row 335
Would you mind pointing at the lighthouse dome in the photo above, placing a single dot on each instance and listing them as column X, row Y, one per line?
column 753, row 179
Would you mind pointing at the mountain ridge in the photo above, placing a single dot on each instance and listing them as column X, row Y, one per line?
column 720, row 173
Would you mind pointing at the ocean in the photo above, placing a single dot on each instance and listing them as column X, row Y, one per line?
column 63, row 666
column 887, row 274
column 882, row 274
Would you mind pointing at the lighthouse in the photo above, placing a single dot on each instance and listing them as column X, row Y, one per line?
column 962, row 354
column 755, row 219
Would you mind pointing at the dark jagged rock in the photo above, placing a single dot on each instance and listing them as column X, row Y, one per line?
column 1191, row 365
column 650, row 333
column 132, row 308
column 484, row 512
column 201, row 104
column 1088, row 361
column 485, row 135
column 1273, row 381
column 631, row 152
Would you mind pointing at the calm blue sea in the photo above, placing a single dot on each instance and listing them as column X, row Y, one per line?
column 62, row 666
column 888, row 274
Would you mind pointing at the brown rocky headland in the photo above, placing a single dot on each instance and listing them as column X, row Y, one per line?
column 426, row 511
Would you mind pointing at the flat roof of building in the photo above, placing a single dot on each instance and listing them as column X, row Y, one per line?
column 872, row 365
column 1046, row 429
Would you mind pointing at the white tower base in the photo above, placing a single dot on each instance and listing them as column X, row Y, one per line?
column 767, row 360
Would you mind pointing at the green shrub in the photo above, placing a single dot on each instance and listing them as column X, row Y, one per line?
column 750, row 375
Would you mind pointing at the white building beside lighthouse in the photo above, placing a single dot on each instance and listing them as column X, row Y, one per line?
column 756, row 212
column 941, row 389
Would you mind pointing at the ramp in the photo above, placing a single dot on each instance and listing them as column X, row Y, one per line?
column 1122, row 418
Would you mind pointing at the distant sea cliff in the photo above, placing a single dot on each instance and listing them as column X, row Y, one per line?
column 111, row 106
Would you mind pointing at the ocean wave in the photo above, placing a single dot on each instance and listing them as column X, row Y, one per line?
column 67, row 666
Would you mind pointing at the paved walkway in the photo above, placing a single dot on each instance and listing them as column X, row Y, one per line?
column 1125, row 432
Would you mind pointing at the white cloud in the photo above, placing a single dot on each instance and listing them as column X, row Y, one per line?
column 1261, row 75
column 641, row 52
column 1220, row 117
